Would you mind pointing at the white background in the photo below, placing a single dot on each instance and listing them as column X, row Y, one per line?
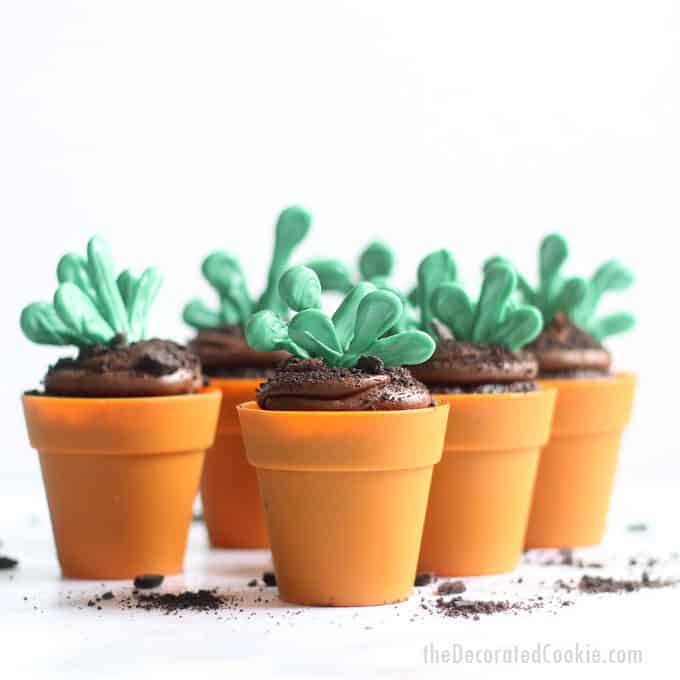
column 177, row 128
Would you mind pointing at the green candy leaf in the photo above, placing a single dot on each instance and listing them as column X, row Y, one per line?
column 571, row 294
column 144, row 293
column 225, row 275
column 612, row 275
column 312, row 330
column 126, row 283
column 72, row 268
column 101, row 271
column 291, row 229
column 345, row 316
column 621, row 322
column 521, row 326
column 403, row 349
column 437, row 268
column 499, row 283
column 40, row 324
column 523, row 286
column 80, row 315
column 412, row 297
column 453, row 307
column 376, row 260
column 377, row 313
column 265, row 331
column 300, row 288
column 223, row 272
column 198, row 315
column 552, row 255
column 333, row 274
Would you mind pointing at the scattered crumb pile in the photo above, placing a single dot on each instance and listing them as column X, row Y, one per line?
column 600, row 584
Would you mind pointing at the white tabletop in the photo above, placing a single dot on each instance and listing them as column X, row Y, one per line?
column 47, row 629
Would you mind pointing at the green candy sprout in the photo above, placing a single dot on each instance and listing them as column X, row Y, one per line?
column 576, row 297
column 494, row 319
column 611, row 276
column 356, row 329
column 224, row 273
column 554, row 293
column 376, row 265
column 90, row 305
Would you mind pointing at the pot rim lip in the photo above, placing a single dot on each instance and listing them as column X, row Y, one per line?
column 615, row 380
column 208, row 392
column 252, row 407
column 245, row 382
column 503, row 396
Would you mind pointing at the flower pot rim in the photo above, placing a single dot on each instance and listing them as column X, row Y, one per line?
column 503, row 396
column 203, row 393
column 617, row 379
column 125, row 426
column 343, row 441
column 253, row 406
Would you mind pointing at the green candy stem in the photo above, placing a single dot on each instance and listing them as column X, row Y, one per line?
column 291, row 229
column 436, row 269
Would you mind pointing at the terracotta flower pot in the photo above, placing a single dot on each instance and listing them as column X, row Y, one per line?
column 232, row 507
column 481, row 490
column 345, row 495
column 576, row 472
column 121, row 476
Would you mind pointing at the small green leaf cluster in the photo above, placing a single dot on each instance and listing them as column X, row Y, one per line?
column 376, row 265
column 554, row 292
column 224, row 273
column 91, row 305
column 576, row 297
column 356, row 329
column 611, row 276
column 494, row 319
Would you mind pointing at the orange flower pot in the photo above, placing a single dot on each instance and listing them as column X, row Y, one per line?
column 481, row 491
column 121, row 476
column 232, row 507
column 345, row 495
column 576, row 472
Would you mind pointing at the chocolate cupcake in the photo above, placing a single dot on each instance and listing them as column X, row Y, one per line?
column 343, row 363
column 121, row 428
column 220, row 341
column 570, row 345
column 232, row 507
column 343, row 440
column 498, row 418
column 576, row 471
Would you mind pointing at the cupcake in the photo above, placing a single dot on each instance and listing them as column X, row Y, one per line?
column 120, row 428
column 499, row 419
column 343, row 439
column 232, row 508
column 577, row 468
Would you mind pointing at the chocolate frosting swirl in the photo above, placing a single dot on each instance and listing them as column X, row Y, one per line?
column 225, row 352
column 311, row 385
column 564, row 348
column 465, row 364
column 150, row 368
